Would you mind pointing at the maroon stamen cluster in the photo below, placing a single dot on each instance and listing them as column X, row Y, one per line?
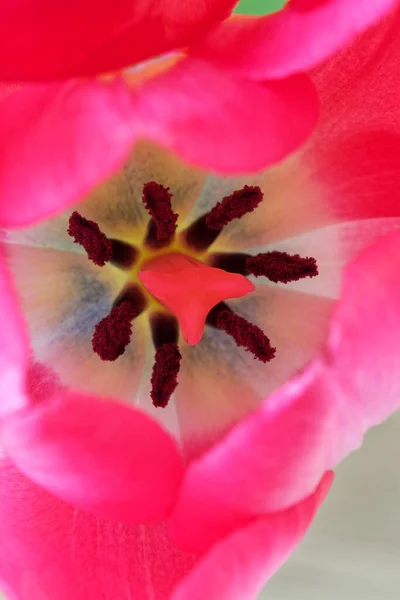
column 164, row 378
column 235, row 206
column 87, row 234
column 247, row 335
column 113, row 333
column 157, row 200
column 281, row 267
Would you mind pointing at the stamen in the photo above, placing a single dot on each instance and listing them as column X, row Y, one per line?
column 165, row 373
column 235, row 206
column 113, row 333
column 203, row 232
column 165, row 333
column 281, row 267
column 244, row 333
column 87, row 234
column 157, row 200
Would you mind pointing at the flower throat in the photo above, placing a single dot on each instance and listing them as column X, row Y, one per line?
column 188, row 283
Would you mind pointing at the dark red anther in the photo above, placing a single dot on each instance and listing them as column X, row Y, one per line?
column 234, row 206
column 113, row 333
column 247, row 335
column 165, row 373
column 157, row 200
column 281, row 267
column 87, row 234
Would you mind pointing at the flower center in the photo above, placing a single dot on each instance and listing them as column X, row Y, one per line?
column 187, row 283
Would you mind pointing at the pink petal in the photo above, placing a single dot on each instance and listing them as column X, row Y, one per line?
column 52, row 551
column 300, row 36
column 273, row 458
column 41, row 40
column 237, row 567
column 258, row 123
column 14, row 346
column 99, row 455
column 355, row 149
column 58, row 141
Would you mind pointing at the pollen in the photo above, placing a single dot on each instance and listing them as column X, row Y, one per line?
column 113, row 333
column 165, row 373
column 87, row 233
column 281, row 267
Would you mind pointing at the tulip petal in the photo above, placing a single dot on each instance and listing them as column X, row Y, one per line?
column 237, row 567
column 39, row 40
column 14, row 346
column 63, row 296
column 100, row 456
column 271, row 459
column 59, row 141
column 258, row 123
column 295, row 39
column 221, row 383
column 50, row 550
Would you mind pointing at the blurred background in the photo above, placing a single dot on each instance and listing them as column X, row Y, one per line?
column 352, row 551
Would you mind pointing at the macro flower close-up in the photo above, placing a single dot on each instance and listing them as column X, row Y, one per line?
column 199, row 318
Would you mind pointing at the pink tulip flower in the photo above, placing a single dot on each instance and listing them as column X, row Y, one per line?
column 199, row 486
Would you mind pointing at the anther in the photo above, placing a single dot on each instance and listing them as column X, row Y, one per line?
column 157, row 200
column 164, row 379
column 203, row 232
column 87, row 234
column 235, row 206
column 245, row 334
column 99, row 248
column 281, row 267
column 113, row 333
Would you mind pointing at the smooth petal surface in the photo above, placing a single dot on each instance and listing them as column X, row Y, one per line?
column 237, row 567
column 59, row 141
column 101, row 456
column 39, row 40
column 14, row 347
column 300, row 36
column 271, row 459
column 258, row 123
column 52, row 551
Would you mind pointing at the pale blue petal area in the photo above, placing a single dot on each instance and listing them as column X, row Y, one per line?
column 63, row 296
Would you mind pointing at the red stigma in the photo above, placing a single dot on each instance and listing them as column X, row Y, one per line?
column 234, row 206
column 281, row 267
column 113, row 333
column 157, row 200
column 165, row 373
column 247, row 335
column 87, row 234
